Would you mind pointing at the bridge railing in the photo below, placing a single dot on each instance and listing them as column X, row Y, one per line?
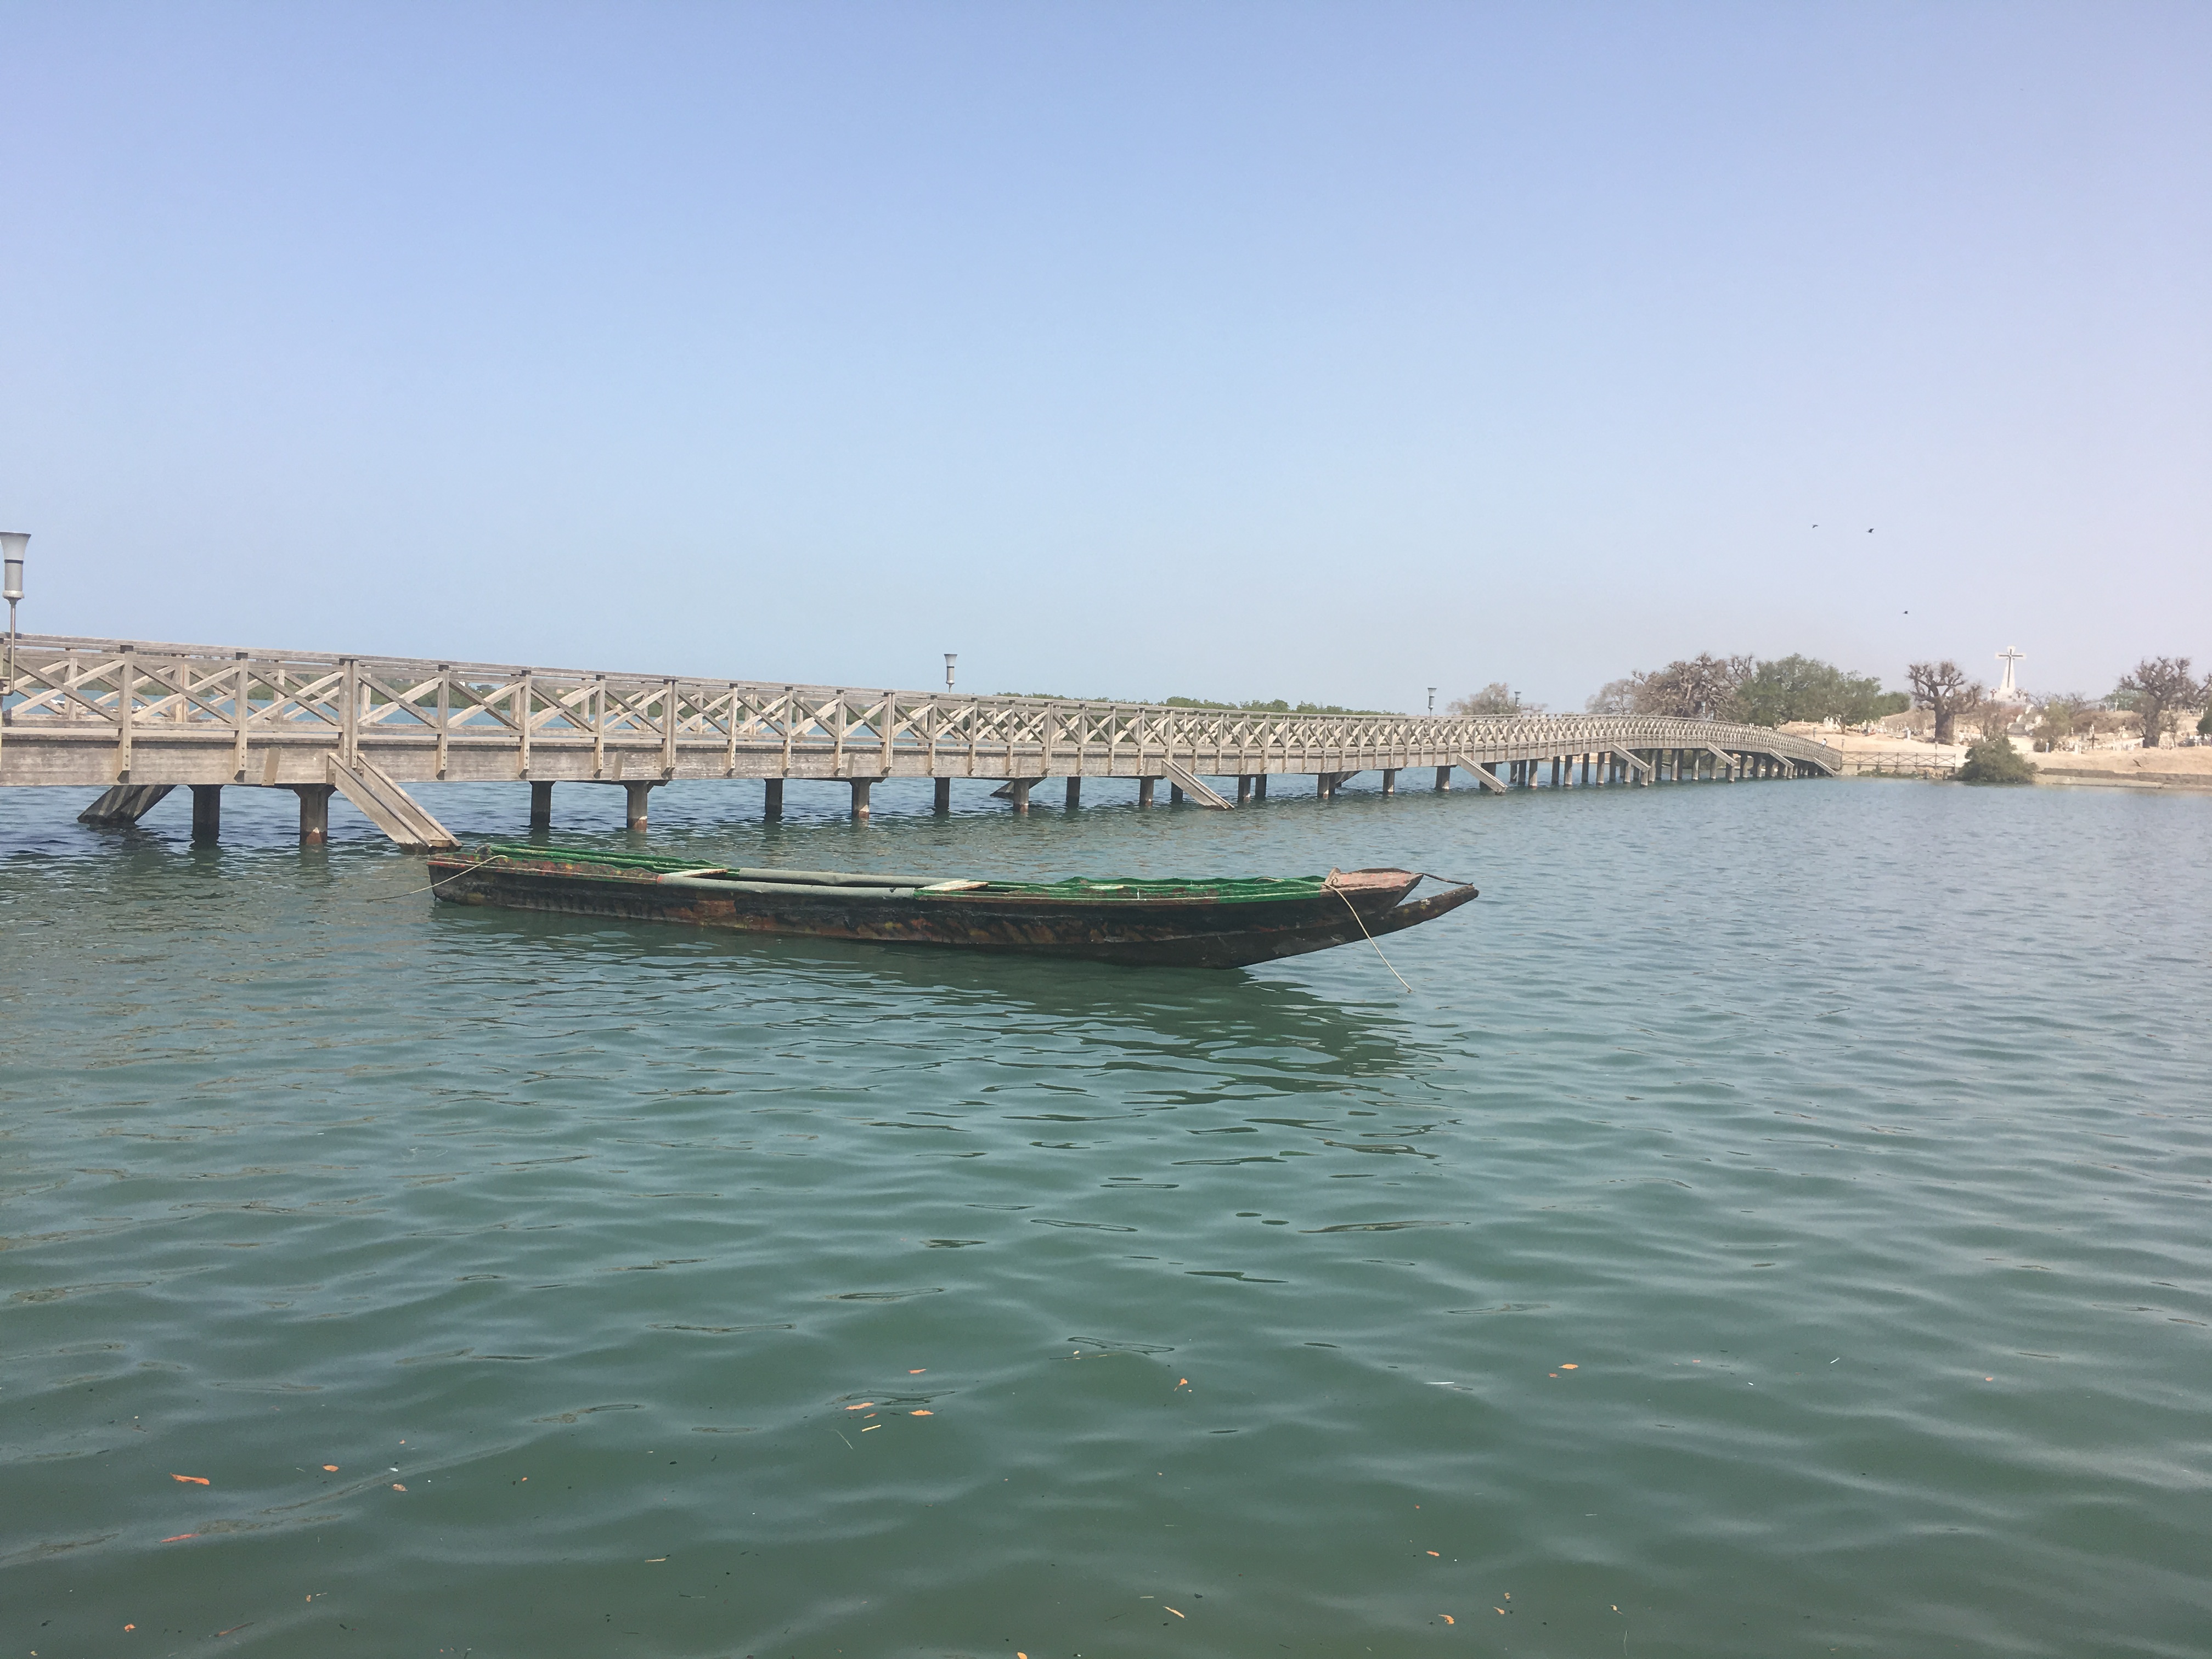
column 129, row 692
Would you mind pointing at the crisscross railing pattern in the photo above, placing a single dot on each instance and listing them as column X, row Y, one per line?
column 210, row 713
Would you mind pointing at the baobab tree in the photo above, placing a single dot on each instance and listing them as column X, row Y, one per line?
column 2160, row 687
column 1943, row 690
column 1700, row 688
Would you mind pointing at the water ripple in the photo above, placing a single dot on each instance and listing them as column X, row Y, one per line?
column 1792, row 1203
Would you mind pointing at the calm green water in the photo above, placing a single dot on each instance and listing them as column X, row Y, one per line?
column 1848, row 1141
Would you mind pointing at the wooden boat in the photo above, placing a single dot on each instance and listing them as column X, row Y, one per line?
column 1193, row 923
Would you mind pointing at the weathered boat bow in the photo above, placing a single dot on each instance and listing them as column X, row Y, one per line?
column 1224, row 922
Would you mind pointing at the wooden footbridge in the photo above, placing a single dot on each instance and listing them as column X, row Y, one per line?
column 136, row 720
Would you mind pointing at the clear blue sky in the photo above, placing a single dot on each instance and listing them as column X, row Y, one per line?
column 1229, row 350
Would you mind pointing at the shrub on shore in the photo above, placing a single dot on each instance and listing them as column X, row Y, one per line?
column 1994, row 760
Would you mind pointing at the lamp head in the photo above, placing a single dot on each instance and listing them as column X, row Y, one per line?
column 12, row 544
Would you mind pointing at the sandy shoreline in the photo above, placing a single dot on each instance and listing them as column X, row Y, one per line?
column 1881, row 754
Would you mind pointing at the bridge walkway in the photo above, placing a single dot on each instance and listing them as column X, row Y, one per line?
column 130, row 718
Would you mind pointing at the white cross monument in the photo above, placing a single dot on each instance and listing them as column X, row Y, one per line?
column 2009, row 691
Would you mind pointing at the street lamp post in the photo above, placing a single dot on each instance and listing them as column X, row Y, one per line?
column 950, row 658
column 1432, row 699
column 12, row 544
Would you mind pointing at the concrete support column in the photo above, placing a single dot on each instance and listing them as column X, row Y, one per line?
column 1259, row 786
column 1443, row 779
column 1019, row 793
column 773, row 807
column 314, row 811
column 1325, row 786
column 860, row 788
column 634, row 818
column 1175, row 794
column 1144, row 791
column 1243, row 790
column 1074, row 793
column 207, row 811
column 1389, row 779
column 541, row 806
column 943, row 802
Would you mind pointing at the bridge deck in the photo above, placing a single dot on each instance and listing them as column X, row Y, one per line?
column 103, row 712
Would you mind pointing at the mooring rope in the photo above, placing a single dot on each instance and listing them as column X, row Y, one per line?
column 387, row 898
column 1356, row 917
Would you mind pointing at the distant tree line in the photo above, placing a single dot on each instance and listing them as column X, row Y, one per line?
column 2151, row 699
column 1754, row 692
column 1495, row 698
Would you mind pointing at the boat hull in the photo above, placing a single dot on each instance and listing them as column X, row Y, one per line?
column 1185, row 932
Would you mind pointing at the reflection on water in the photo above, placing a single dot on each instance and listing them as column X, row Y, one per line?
column 1772, row 1224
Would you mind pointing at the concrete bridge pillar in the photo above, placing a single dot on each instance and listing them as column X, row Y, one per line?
column 772, row 807
column 1144, row 791
column 314, row 811
column 943, row 803
column 1175, row 794
column 860, row 788
column 1019, row 792
column 541, row 806
column 1260, row 785
column 207, row 811
column 1243, row 790
column 1074, row 793
column 1389, row 779
column 634, row 818
column 1443, row 779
